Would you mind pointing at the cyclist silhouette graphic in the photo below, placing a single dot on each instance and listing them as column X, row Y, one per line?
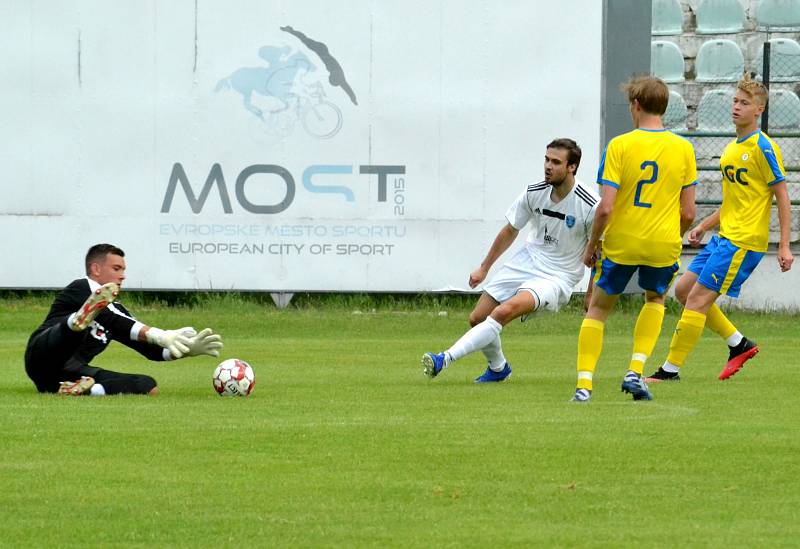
column 276, row 80
column 291, row 98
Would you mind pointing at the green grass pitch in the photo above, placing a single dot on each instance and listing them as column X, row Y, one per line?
column 345, row 443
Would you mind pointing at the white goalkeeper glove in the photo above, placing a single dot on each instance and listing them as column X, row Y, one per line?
column 172, row 340
column 204, row 343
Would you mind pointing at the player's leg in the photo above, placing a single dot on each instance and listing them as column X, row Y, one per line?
column 687, row 281
column 535, row 294
column 523, row 303
column 106, row 382
column 655, row 281
column 690, row 326
column 493, row 351
column 699, row 294
column 76, row 378
column 434, row 363
column 740, row 348
column 96, row 302
column 724, row 272
column 610, row 280
column 647, row 330
column 684, row 285
column 485, row 331
column 116, row 383
column 47, row 351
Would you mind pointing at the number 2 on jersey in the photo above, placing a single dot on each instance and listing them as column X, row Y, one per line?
column 642, row 182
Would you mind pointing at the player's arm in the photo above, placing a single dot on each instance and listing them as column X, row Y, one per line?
column 601, row 218
column 785, row 257
column 204, row 343
column 696, row 234
column 688, row 208
column 501, row 243
column 180, row 343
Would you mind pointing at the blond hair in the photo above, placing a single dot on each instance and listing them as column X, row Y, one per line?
column 756, row 90
column 651, row 93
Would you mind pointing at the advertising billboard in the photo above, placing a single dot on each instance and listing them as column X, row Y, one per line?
column 284, row 146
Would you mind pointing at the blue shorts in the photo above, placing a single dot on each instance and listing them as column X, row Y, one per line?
column 723, row 266
column 614, row 277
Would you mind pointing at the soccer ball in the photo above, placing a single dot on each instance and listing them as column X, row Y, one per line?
column 234, row 377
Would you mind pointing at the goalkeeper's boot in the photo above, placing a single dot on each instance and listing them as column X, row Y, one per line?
column 99, row 300
column 662, row 375
column 432, row 364
column 740, row 354
column 581, row 395
column 76, row 388
column 490, row 375
column 635, row 385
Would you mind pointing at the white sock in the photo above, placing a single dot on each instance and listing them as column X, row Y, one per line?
column 97, row 390
column 670, row 367
column 735, row 339
column 494, row 354
column 477, row 337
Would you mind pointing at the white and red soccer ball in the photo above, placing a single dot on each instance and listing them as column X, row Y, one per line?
column 234, row 377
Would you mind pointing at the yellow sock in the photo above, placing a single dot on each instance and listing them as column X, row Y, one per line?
column 719, row 323
column 645, row 334
column 687, row 333
column 590, row 343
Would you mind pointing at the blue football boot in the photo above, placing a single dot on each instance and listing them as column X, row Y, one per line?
column 636, row 386
column 432, row 364
column 490, row 375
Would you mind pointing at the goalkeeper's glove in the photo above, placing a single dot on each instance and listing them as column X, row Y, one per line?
column 204, row 343
column 172, row 340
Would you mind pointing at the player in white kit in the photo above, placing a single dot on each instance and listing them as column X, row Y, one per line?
column 542, row 275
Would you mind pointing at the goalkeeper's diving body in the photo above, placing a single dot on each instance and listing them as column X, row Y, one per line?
column 84, row 319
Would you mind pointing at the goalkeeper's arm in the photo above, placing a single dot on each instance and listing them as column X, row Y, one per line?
column 182, row 342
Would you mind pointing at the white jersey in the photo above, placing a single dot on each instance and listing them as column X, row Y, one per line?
column 558, row 231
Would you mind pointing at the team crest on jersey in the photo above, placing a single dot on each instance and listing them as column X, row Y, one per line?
column 570, row 220
column 745, row 156
column 98, row 332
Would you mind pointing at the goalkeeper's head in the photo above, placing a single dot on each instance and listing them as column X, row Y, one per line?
column 105, row 263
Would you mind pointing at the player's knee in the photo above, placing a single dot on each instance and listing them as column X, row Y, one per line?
column 505, row 313
column 145, row 385
column 476, row 317
column 681, row 293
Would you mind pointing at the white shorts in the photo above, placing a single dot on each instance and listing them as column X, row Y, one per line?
column 520, row 275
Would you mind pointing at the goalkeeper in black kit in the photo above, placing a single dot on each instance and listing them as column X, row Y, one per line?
column 84, row 319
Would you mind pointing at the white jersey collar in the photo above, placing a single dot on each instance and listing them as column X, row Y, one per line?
column 92, row 284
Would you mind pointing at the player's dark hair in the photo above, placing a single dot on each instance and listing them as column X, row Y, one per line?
column 651, row 93
column 98, row 253
column 572, row 148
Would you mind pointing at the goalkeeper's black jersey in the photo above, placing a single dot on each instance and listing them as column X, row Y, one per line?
column 113, row 323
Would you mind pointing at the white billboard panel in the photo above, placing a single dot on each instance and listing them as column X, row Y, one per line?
column 306, row 145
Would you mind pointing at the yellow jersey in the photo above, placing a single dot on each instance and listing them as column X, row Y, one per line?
column 649, row 169
column 750, row 166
